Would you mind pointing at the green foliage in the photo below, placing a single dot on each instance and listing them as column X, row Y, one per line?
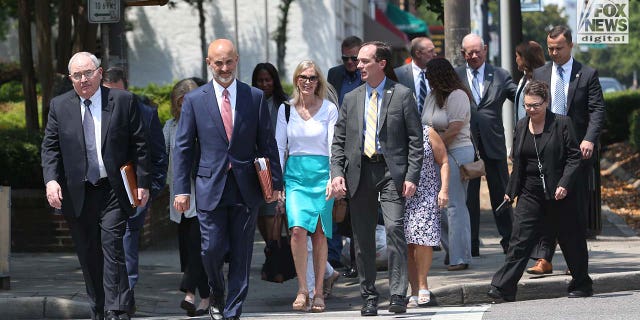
column 9, row 71
column 20, row 151
column 431, row 8
column 618, row 61
column 12, row 115
column 535, row 24
column 8, row 9
column 11, row 92
column 634, row 129
column 619, row 106
column 160, row 95
column 288, row 88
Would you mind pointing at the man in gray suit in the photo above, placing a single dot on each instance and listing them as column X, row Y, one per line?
column 490, row 87
column 412, row 75
column 377, row 154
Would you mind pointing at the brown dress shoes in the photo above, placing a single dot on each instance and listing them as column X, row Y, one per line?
column 542, row 266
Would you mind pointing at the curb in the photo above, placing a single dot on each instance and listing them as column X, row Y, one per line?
column 43, row 308
column 543, row 288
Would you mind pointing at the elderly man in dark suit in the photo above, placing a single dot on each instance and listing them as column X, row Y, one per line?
column 412, row 75
column 377, row 153
column 92, row 132
column 115, row 78
column 575, row 92
column 230, row 123
column 490, row 87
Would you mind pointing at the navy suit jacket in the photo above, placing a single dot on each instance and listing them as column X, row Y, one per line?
column 157, row 151
column 201, row 125
column 123, row 140
column 486, row 117
column 584, row 99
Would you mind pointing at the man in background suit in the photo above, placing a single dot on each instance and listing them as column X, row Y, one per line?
column 577, row 94
column 115, row 78
column 82, row 176
column 384, row 162
column 346, row 76
column 230, row 122
column 412, row 75
column 490, row 87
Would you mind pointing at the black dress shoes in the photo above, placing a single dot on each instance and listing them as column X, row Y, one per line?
column 581, row 293
column 351, row 273
column 116, row 315
column 369, row 308
column 496, row 294
column 189, row 307
column 397, row 304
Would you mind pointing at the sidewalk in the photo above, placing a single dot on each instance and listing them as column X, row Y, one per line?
column 50, row 285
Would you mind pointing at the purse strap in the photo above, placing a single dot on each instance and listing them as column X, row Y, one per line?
column 475, row 149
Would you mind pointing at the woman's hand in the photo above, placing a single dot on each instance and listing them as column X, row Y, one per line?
column 561, row 193
column 329, row 191
column 443, row 198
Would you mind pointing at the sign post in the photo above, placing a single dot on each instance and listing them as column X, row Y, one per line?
column 104, row 11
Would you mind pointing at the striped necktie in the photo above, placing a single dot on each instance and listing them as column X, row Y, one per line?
column 423, row 92
column 476, row 87
column 559, row 98
column 371, row 125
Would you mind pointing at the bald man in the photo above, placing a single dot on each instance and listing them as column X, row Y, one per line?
column 412, row 75
column 229, row 122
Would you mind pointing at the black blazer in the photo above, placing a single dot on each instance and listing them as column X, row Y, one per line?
column 559, row 154
column 123, row 140
column 584, row 99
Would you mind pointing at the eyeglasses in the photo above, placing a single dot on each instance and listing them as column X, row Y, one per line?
column 471, row 53
column 304, row 78
column 346, row 59
column 533, row 105
column 87, row 74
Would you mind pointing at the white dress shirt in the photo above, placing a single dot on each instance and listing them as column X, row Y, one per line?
column 96, row 114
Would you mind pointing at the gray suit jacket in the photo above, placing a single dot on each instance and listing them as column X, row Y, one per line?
column 399, row 133
column 584, row 99
column 405, row 76
column 486, row 118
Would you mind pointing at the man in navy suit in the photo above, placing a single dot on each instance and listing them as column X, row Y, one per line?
column 92, row 132
column 115, row 78
column 229, row 121
column 492, row 87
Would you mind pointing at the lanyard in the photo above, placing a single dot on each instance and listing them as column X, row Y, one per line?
column 535, row 145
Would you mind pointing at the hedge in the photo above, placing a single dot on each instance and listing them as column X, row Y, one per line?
column 20, row 159
column 618, row 108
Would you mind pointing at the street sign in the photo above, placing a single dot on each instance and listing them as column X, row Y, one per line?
column 104, row 11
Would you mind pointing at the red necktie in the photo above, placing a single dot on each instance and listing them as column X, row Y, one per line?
column 225, row 112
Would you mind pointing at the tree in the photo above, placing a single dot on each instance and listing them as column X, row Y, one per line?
column 280, row 35
column 45, row 65
column 26, row 63
column 536, row 24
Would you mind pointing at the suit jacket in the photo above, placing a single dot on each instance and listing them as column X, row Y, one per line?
column 405, row 77
column 486, row 118
column 559, row 155
column 158, row 158
column 201, row 123
column 335, row 77
column 399, row 133
column 123, row 140
column 585, row 102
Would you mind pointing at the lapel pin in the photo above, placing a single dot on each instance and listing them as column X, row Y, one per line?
column 577, row 75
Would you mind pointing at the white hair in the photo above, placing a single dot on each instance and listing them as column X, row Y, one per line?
column 94, row 59
column 472, row 36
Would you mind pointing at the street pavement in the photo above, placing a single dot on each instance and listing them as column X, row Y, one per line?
column 50, row 285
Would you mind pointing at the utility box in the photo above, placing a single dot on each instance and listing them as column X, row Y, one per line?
column 5, row 236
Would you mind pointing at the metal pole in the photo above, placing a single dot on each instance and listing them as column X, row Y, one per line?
column 104, row 38
column 506, row 62
column 457, row 23
column 5, row 236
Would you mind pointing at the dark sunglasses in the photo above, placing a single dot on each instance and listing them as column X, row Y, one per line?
column 347, row 58
column 310, row 78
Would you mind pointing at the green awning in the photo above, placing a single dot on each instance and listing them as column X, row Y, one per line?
column 406, row 21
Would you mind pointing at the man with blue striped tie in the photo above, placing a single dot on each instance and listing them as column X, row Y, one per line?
column 412, row 75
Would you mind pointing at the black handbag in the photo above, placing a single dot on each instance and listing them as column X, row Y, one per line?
column 278, row 266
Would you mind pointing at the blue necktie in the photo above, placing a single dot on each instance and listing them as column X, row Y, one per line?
column 559, row 98
column 93, row 168
column 475, row 87
column 423, row 92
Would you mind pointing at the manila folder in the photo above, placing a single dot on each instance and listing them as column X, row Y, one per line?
column 128, row 173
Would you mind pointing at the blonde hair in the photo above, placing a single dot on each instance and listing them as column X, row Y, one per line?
column 321, row 88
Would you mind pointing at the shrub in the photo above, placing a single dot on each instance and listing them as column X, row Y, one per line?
column 10, row 71
column 160, row 95
column 634, row 129
column 619, row 106
column 11, row 92
column 20, row 159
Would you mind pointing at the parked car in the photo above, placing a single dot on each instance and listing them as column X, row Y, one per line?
column 609, row 84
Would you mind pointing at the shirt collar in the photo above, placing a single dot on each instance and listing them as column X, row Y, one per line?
column 415, row 68
column 219, row 89
column 565, row 67
column 96, row 98
column 379, row 88
column 480, row 69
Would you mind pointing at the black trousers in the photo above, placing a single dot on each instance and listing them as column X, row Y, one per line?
column 193, row 277
column 533, row 217
column 97, row 234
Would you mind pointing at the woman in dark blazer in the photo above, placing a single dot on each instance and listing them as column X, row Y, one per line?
column 545, row 162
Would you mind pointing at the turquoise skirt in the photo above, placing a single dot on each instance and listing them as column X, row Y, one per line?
column 305, row 181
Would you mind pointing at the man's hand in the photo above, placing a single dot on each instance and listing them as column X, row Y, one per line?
column 408, row 189
column 586, row 147
column 181, row 203
column 339, row 187
column 561, row 193
column 54, row 194
column 143, row 196
column 274, row 196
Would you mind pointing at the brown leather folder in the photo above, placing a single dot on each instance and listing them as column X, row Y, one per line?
column 129, row 179
column 264, row 176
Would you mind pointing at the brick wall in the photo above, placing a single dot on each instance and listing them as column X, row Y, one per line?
column 35, row 227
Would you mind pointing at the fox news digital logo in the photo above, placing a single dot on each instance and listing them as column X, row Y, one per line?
column 603, row 21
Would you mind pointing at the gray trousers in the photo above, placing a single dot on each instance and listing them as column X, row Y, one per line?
column 375, row 180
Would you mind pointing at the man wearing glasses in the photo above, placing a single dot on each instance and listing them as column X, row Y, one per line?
column 92, row 131
column 346, row 76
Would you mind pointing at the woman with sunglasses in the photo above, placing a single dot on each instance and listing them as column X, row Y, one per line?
column 545, row 162
column 306, row 137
